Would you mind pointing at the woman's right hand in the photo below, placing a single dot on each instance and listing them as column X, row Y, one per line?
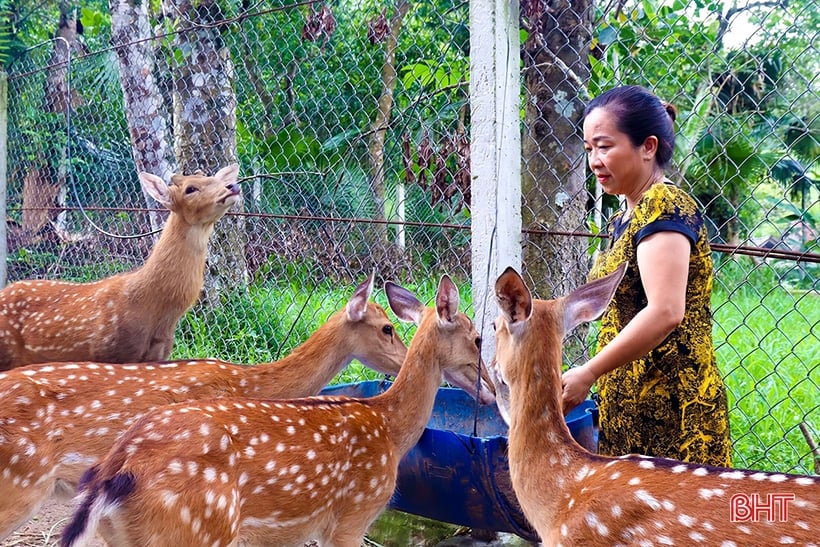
column 577, row 383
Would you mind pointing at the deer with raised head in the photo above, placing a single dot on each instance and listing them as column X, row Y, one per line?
column 128, row 317
column 58, row 419
column 262, row 472
column 575, row 498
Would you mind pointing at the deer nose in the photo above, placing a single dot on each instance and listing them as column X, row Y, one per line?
column 234, row 188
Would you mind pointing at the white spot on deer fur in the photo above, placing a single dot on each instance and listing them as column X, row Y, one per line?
column 697, row 536
column 280, row 447
column 646, row 464
column 686, row 520
column 634, row 480
column 595, row 523
column 805, row 481
column 709, row 493
column 647, row 498
column 615, row 475
column 745, row 529
column 778, row 478
column 169, row 498
column 209, row 473
column 700, row 472
column 759, row 476
column 786, row 540
column 727, row 543
column 615, row 510
column 734, row 475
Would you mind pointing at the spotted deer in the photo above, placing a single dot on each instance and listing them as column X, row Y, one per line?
column 260, row 472
column 575, row 498
column 131, row 316
column 58, row 419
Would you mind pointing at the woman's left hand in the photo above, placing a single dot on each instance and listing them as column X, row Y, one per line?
column 577, row 383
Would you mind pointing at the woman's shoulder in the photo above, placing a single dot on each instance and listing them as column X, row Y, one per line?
column 667, row 197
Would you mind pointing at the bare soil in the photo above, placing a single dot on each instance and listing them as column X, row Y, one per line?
column 45, row 528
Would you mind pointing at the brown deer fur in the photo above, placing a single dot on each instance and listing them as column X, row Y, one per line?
column 575, row 498
column 131, row 316
column 261, row 472
column 59, row 418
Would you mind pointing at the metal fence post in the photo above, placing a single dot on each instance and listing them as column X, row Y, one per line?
column 495, row 156
column 3, row 172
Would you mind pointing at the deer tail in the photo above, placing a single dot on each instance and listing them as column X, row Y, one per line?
column 99, row 499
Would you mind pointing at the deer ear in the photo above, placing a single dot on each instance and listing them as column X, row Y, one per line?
column 513, row 297
column 229, row 174
column 403, row 303
column 156, row 188
column 357, row 305
column 447, row 299
column 588, row 302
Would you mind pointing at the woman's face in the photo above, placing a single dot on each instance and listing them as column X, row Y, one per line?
column 618, row 165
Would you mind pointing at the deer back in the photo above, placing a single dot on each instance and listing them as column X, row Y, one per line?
column 573, row 497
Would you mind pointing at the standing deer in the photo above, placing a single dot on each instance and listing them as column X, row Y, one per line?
column 59, row 418
column 255, row 472
column 575, row 498
column 131, row 316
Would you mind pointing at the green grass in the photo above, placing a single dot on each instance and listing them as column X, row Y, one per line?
column 766, row 345
column 765, row 339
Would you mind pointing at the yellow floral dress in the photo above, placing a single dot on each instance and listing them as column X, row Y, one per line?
column 671, row 403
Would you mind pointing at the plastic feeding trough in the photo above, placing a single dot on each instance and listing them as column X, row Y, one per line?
column 458, row 471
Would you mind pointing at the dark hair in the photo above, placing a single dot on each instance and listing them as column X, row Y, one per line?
column 640, row 114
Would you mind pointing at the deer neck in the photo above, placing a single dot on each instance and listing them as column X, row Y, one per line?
column 175, row 269
column 539, row 437
column 306, row 369
column 408, row 404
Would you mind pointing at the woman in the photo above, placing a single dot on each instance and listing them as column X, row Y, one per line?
column 661, row 392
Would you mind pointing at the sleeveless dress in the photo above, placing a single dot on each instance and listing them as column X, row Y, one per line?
column 672, row 402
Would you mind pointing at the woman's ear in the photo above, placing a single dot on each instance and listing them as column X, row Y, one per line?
column 649, row 148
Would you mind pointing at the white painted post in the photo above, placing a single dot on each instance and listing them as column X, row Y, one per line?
column 495, row 153
column 3, row 173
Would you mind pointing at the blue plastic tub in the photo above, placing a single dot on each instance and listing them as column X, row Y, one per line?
column 458, row 471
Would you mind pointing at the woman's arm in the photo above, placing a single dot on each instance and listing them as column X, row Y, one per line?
column 663, row 262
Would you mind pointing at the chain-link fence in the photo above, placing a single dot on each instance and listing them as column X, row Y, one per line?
column 351, row 122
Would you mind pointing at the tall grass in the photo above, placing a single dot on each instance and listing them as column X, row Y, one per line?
column 765, row 339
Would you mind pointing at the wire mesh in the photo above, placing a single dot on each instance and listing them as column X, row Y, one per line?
column 351, row 123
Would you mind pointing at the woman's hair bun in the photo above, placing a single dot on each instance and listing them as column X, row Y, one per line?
column 670, row 109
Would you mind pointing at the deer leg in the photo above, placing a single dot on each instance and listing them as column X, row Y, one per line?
column 18, row 505
column 10, row 345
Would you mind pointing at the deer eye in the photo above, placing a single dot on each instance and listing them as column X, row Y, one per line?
column 191, row 189
column 388, row 330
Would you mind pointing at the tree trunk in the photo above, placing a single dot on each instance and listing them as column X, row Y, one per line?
column 144, row 111
column 205, row 128
column 382, row 120
column 43, row 184
column 553, row 170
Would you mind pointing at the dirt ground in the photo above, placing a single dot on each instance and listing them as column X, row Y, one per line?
column 44, row 531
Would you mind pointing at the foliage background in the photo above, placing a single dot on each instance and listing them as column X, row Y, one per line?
column 350, row 169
